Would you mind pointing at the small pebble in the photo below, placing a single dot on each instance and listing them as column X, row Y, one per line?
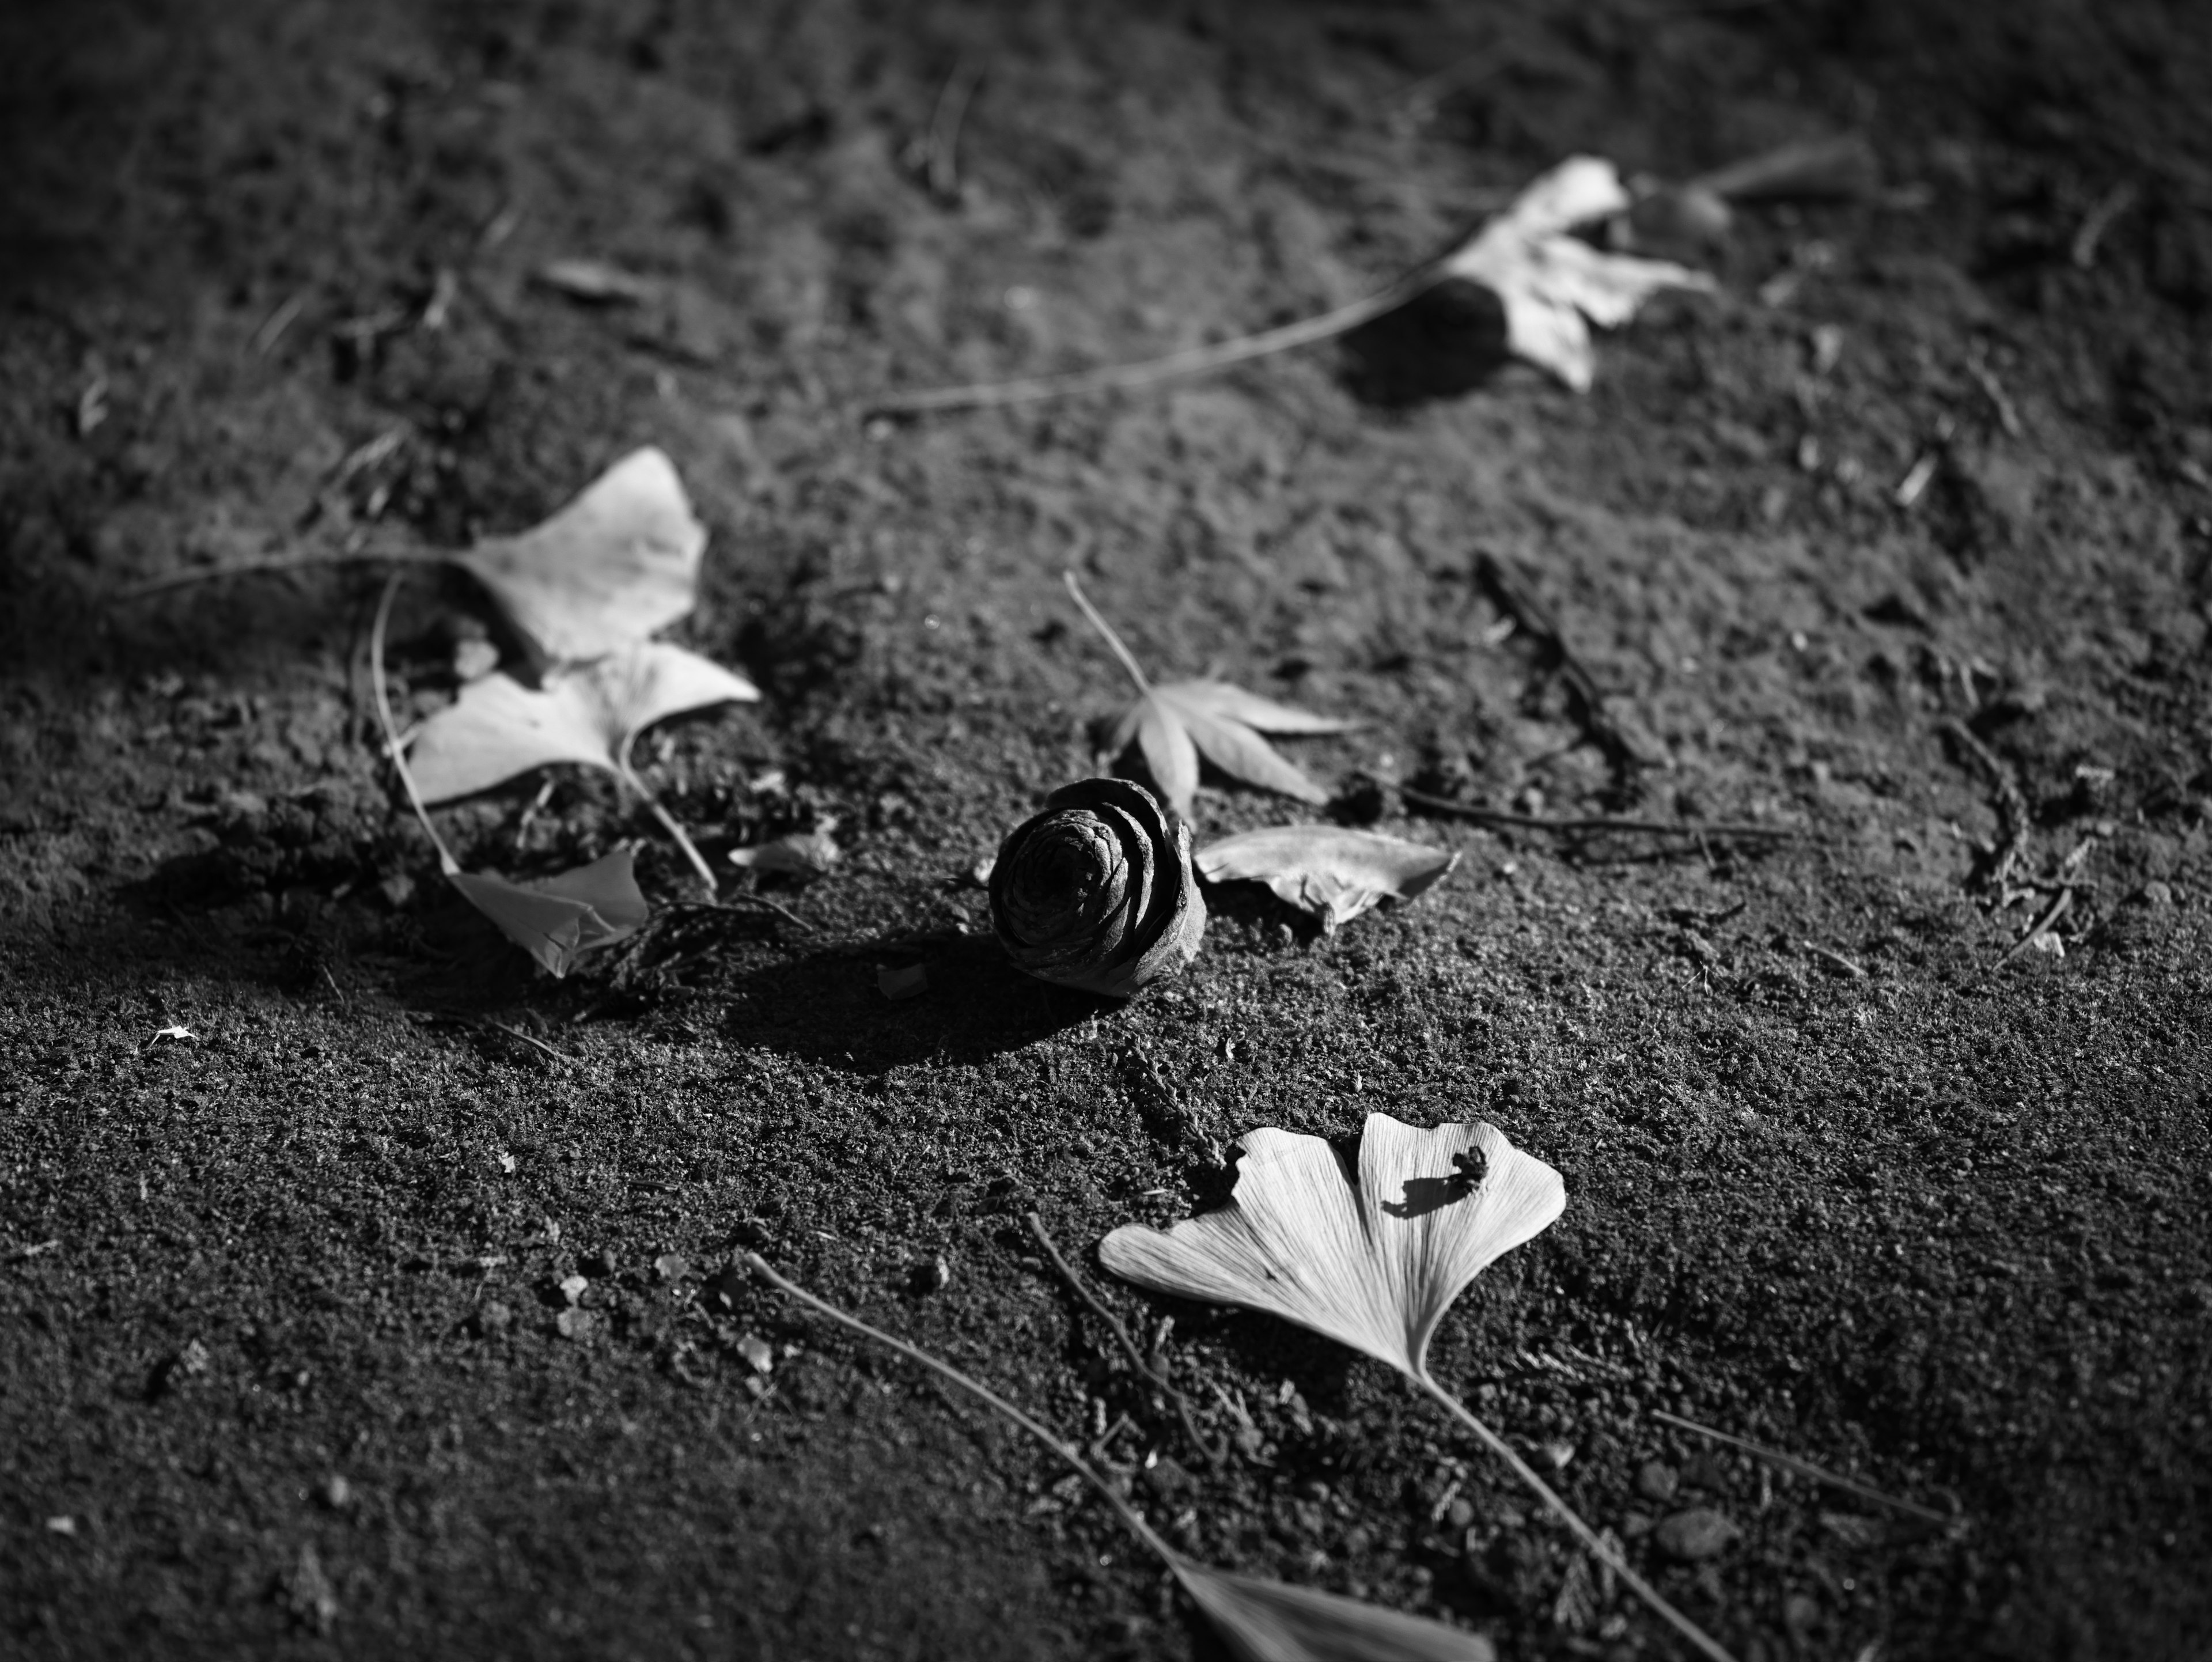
column 575, row 1323
column 1460, row 1513
column 1169, row 1479
column 671, row 1266
column 573, row 1288
column 493, row 1317
column 337, row 1494
column 1694, row 1535
column 1655, row 1481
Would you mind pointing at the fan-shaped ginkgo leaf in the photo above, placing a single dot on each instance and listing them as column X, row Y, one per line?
column 1175, row 722
column 617, row 563
column 559, row 918
column 1272, row 1622
column 1553, row 284
column 1373, row 1255
column 499, row 728
column 1331, row 871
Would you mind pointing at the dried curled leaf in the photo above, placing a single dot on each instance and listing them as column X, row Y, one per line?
column 613, row 566
column 1335, row 873
column 796, row 854
column 1270, row 1621
column 498, row 728
column 1550, row 281
column 1096, row 891
column 1175, row 722
column 1370, row 1257
column 559, row 918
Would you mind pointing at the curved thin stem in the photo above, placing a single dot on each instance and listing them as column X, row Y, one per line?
column 1067, row 1451
column 1590, row 1537
column 1106, row 629
column 1195, row 361
column 139, row 591
column 446, row 863
column 668, row 823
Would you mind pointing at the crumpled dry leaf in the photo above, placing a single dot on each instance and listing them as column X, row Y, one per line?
column 1371, row 1258
column 1175, row 722
column 1550, row 281
column 557, row 919
column 498, row 728
column 1333, row 872
column 617, row 563
column 801, row 854
column 1271, row 1621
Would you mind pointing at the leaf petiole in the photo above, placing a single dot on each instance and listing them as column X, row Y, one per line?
column 446, row 863
column 1106, row 631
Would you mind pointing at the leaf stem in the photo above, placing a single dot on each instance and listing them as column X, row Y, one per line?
column 446, row 863
column 669, row 825
column 1106, row 629
column 1195, row 361
column 1067, row 1451
column 1598, row 1547
column 139, row 591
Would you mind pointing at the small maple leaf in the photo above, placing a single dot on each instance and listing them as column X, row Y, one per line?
column 1173, row 723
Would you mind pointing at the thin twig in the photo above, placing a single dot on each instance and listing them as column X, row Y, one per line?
column 139, row 591
column 1535, row 618
column 457, row 1018
column 2057, row 910
column 1158, row 1376
column 1802, row 1468
column 1195, row 361
column 1828, row 955
column 1067, row 1451
column 2010, row 806
column 1585, row 827
column 943, row 167
column 1598, row 1547
column 446, row 863
column 1106, row 629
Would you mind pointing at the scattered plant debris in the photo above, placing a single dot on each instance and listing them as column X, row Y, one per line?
column 1096, row 892
column 1263, row 1621
column 1372, row 1259
column 1174, row 722
column 795, row 853
column 1335, row 873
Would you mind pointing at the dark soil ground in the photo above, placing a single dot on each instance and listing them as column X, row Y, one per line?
column 285, row 1365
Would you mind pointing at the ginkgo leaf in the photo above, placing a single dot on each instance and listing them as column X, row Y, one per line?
column 1373, row 1255
column 499, row 728
column 1271, row 1621
column 558, row 918
column 617, row 563
column 1553, row 284
column 1333, row 872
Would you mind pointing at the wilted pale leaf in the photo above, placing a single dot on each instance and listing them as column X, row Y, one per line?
column 1175, row 722
column 1371, row 1258
column 498, row 728
column 1550, row 281
column 800, row 854
column 1269, row 1621
column 559, row 918
column 614, row 565
column 1333, row 872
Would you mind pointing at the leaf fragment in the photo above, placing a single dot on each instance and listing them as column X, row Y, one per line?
column 1331, row 871
column 1553, row 284
column 617, row 563
column 798, row 853
column 558, row 919
column 499, row 728
column 1271, row 1621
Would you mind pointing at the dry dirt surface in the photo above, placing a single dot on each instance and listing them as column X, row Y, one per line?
column 1899, row 543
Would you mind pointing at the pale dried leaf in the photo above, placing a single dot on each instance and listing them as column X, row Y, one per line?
column 1371, row 1258
column 1177, row 722
column 1335, row 873
column 597, row 281
column 800, row 854
column 559, row 918
column 499, row 728
column 1266, row 1621
column 1224, row 699
column 1550, row 281
column 613, row 566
